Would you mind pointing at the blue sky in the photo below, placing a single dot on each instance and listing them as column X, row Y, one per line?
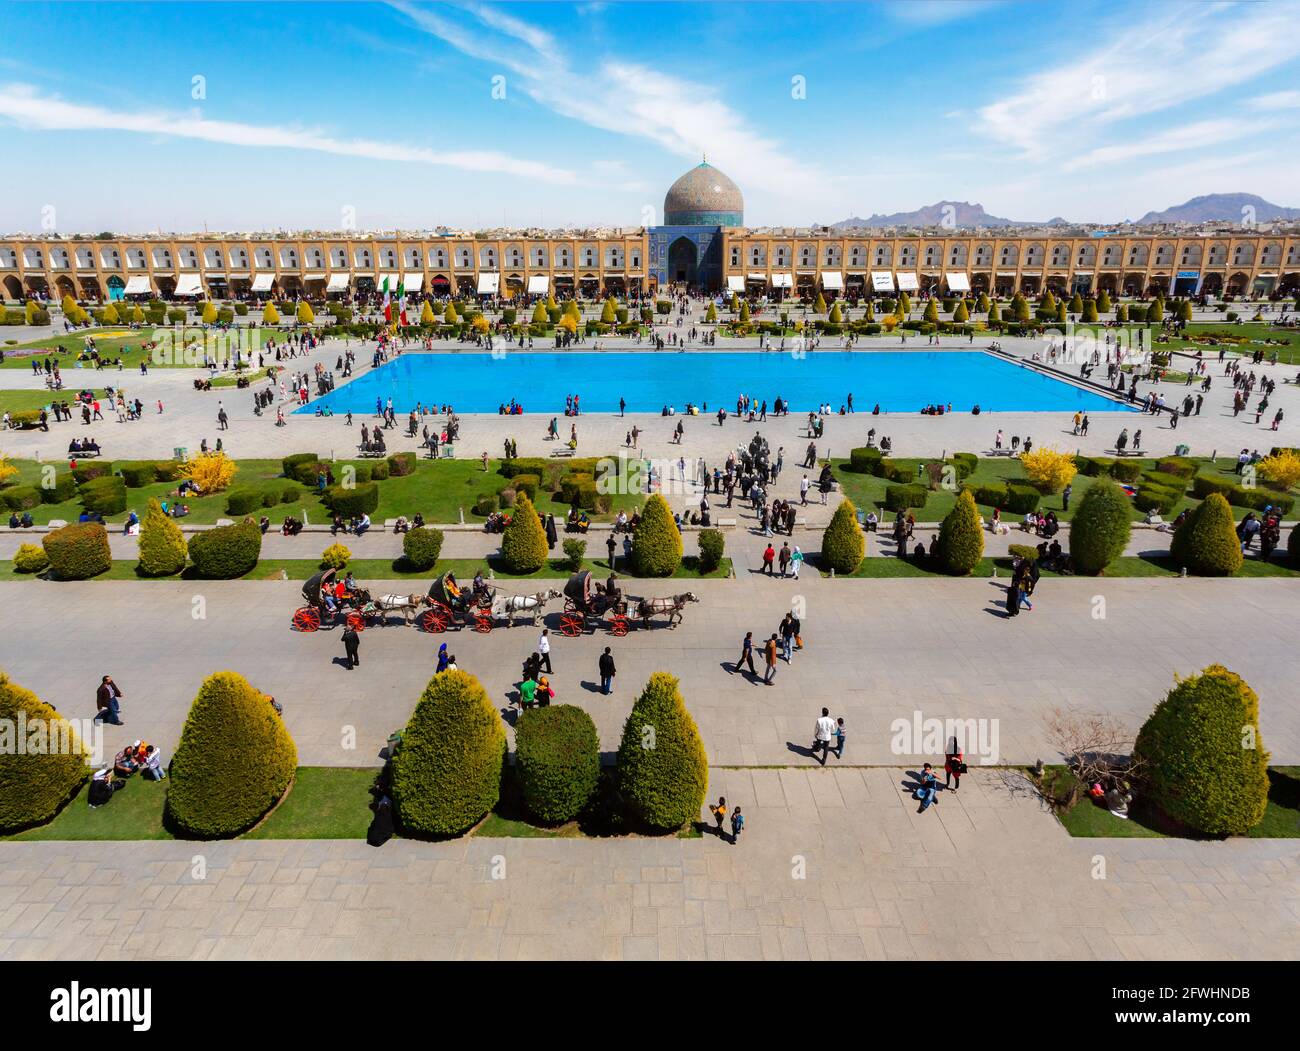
column 411, row 115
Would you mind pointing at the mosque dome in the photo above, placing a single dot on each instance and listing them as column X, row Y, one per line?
column 704, row 197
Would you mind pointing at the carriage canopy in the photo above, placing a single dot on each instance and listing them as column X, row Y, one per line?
column 439, row 592
column 578, row 589
column 312, row 588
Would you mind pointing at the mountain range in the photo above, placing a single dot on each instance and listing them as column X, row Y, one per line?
column 1213, row 207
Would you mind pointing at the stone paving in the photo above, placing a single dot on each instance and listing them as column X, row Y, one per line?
column 833, row 865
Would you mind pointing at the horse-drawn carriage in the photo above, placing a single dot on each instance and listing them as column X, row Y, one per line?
column 585, row 599
column 672, row 606
column 451, row 605
column 322, row 606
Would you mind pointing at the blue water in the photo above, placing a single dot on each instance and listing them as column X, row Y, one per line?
column 897, row 381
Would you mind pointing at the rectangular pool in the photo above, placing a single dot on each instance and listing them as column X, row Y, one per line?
column 896, row 381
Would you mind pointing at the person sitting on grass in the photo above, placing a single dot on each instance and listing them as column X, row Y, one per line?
column 125, row 764
column 151, row 759
column 102, row 787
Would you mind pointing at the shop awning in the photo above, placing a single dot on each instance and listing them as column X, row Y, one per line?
column 262, row 282
column 832, row 280
column 538, row 284
column 136, row 286
column 1006, row 273
column 735, row 283
column 907, row 281
column 241, row 276
column 957, row 282
column 882, row 281
column 338, row 283
column 758, row 277
column 488, row 284
column 783, row 280
column 189, row 285
column 413, row 282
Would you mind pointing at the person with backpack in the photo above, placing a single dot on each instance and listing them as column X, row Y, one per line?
column 737, row 825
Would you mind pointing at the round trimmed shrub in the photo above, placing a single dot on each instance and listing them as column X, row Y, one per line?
column 63, row 489
column 447, row 769
column 21, row 497
column 162, row 544
column 30, row 558
column 712, row 545
column 360, row 499
column 137, row 473
column 485, row 503
column 85, row 472
column 244, row 501
column 1021, row 499
column 965, row 464
column 663, row 771
column 336, row 556
column 289, row 464
column 78, row 551
column 34, row 785
column 234, row 762
column 527, row 484
column 1206, row 543
column 901, row 497
column 1100, row 529
column 105, row 495
column 961, row 542
column 167, row 470
column 523, row 544
column 657, row 542
column 227, row 552
column 308, row 472
column 864, row 460
column 401, row 464
column 843, row 543
column 557, row 758
column 1159, row 498
column 1126, row 470
column 1201, row 756
column 422, row 547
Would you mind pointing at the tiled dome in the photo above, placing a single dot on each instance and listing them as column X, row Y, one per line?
column 704, row 197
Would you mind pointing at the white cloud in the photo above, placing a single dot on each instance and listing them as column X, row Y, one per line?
column 1203, row 134
column 1276, row 100
column 27, row 108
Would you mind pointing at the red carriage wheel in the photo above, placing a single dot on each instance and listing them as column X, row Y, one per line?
column 306, row 618
column 483, row 623
column 571, row 625
column 435, row 621
column 619, row 625
column 356, row 621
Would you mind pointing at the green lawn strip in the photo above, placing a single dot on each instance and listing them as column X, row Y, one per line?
column 1251, row 330
column 1088, row 820
column 327, row 802
column 392, row 569
column 24, row 400
column 128, row 344
column 135, row 813
column 888, row 566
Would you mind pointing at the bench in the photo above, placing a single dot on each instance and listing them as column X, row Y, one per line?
column 85, row 454
column 561, row 453
column 372, row 450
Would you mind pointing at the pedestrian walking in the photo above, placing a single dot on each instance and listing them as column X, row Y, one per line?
column 107, row 702
column 544, row 651
column 1066, row 493
column 785, row 559
column 769, row 558
column 747, row 653
column 552, row 534
column 822, row 734
column 804, row 486
column 840, row 735
column 769, row 656
column 737, row 824
column 953, row 767
column 611, row 546
column 351, row 646
column 796, row 562
column 719, row 812
column 787, row 637
column 607, row 671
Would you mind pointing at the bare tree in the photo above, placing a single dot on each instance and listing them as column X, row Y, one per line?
column 1097, row 747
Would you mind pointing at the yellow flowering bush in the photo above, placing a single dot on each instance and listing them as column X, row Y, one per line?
column 211, row 472
column 1282, row 468
column 1049, row 469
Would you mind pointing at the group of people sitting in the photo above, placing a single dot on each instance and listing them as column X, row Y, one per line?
column 496, row 522
column 336, row 593
column 405, row 525
column 577, row 521
column 23, row 522
column 137, row 757
column 84, row 447
column 624, row 524
column 356, row 525
column 935, row 410
column 1041, row 524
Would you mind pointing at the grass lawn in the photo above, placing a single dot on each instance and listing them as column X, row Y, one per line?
column 135, row 813
column 111, row 342
column 21, row 400
column 437, row 489
column 890, row 566
column 1088, row 820
column 1252, row 331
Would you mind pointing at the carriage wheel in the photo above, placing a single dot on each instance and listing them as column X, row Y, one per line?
column 434, row 621
column 356, row 621
column 619, row 625
column 306, row 618
column 483, row 622
column 569, row 606
column 571, row 625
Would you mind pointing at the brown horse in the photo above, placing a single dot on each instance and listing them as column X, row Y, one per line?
column 673, row 605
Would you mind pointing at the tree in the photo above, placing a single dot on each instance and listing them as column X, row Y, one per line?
column 270, row 316
column 1121, row 313
column 744, row 312
column 137, row 315
column 609, row 313
column 449, row 316
column 1155, row 312
column 869, row 314
column 711, row 314
column 540, row 317
column 1062, row 314
column 962, row 314
column 234, row 762
column 994, row 313
column 111, row 316
column 447, row 768
column 836, row 315
column 1089, row 316
column 1185, row 310
column 961, row 542
column 1203, row 760
column 305, row 314
column 662, row 766
column 162, row 545
column 1282, row 468
column 69, row 306
column 35, row 782
column 1076, row 304
column 557, row 758
column 905, row 303
column 1103, row 302
column 983, row 303
column 657, row 542
column 1206, row 543
column 1048, row 468
column 523, row 544
column 819, row 306
column 1020, row 308
column 209, row 313
column 1048, row 303
column 931, row 311
column 843, row 544
column 1100, row 530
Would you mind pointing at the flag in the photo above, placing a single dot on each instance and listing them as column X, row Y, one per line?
column 401, row 298
column 388, row 303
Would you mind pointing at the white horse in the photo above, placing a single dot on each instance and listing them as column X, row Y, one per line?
column 406, row 605
column 510, row 606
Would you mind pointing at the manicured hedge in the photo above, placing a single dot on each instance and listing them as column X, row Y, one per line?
column 35, row 786
column 78, row 551
column 167, row 470
column 137, row 473
column 663, row 771
column 226, row 552
column 864, row 460
column 308, row 472
column 447, row 769
column 162, row 545
column 712, row 545
column 63, row 489
column 401, row 464
column 360, row 499
column 901, row 497
column 1158, row 498
column 1202, row 759
column 20, row 497
column 234, row 761
column 91, row 469
column 1165, row 479
column 105, row 495
column 243, row 501
column 1206, row 543
column 1021, row 499
column 289, row 465
column 893, row 471
column 527, row 484
column 557, row 758
column 523, row 544
column 1126, row 470
column 961, row 541
column 657, row 542
column 965, row 463
column 1256, row 499
column 1094, row 466
column 422, row 547
column 1181, row 466
column 485, row 503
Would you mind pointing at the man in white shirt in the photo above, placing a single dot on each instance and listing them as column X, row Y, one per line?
column 823, row 733
column 804, row 486
column 544, row 651
column 362, row 525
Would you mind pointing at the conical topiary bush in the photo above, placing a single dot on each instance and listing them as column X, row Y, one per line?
column 961, row 543
column 557, row 758
column 843, row 544
column 523, row 544
column 162, row 544
column 234, row 762
column 1201, row 757
column 1206, row 543
column 447, row 770
column 663, row 772
column 1100, row 529
column 42, row 759
column 657, row 543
